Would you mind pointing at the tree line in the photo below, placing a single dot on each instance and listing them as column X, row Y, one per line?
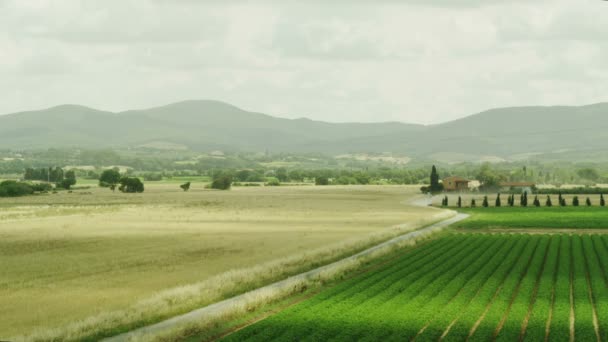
column 523, row 201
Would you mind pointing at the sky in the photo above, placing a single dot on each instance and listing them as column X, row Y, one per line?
column 419, row 61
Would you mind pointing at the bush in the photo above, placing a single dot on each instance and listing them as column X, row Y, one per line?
column 575, row 201
column 15, row 189
column 272, row 181
column 185, row 186
column 485, row 203
column 221, row 182
column 131, row 185
column 321, row 180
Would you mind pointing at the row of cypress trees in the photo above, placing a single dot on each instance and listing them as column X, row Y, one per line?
column 523, row 201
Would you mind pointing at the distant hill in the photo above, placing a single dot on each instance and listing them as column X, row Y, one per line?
column 211, row 125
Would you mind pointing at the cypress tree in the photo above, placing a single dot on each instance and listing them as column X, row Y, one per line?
column 560, row 198
column 459, row 202
column 473, row 205
column 498, row 202
column 512, row 200
column 524, row 199
column 446, row 200
column 536, row 201
column 485, row 202
column 434, row 179
column 575, row 201
column 549, row 203
column 563, row 202
column 602, row 201
column 588, row 202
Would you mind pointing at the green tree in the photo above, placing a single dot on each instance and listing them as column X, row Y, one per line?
column 536, row 201
column 498, row 202
column 588, row 202
column 548, row 203
column 524, row 199
column 68, row 181
column 109, row 178
column 435, row 186
column 602, row 201
column 459, row 202
column 281, row 174
column 473, row 204
column 575, row 201
column 485, row 203
column 131, row 185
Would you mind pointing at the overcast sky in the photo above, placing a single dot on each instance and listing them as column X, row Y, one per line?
column 349, row 61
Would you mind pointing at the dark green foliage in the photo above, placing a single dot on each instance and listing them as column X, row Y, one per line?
column 536, row 201
column 588, row 202
column 524, row 199
column 498, row 201
column 602, row 200
column 575, row 201
column 444, row 201
column 109, row 178
column 221, row 181
column 153, row 177
column 321, row 180
column 560, row 199
column 548, row 203
column 562, row 203
column 473, row 204
column 485, row 202
column 131, row 185
column 459, row 202
column 434, row 187
column 272, row 181
column 53, row 175
column 185, row 186
column 15, row 189
column 68, row 181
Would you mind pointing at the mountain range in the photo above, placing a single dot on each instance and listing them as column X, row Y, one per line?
column 507, row 133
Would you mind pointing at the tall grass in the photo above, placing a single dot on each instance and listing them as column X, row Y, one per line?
column 182, row 299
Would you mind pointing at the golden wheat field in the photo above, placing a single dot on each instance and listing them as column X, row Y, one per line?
column 122, row 259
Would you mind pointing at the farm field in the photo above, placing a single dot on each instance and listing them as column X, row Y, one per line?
column 124, row 260
column 479, row 287
column 532, row 217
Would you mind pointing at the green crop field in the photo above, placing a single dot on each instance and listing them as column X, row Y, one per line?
column 532, row 217
column 480, row 287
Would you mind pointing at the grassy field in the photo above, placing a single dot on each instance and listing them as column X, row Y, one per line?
column 532, row 217
column 125, row 260
column 480, row 287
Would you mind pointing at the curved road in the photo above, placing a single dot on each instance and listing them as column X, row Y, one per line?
column 219, row 308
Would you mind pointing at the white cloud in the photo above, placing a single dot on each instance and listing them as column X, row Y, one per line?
column 338, row 61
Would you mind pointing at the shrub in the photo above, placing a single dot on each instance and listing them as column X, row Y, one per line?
column 321, row 180
column 575, row 201
column 485, row 202
column 185, row 186
column 473, row 205
column 548, row 203
column 588, row 202
column 15, row 189
column 272, row 181
column 221, row 182
column 536, row 201
column 131, row 185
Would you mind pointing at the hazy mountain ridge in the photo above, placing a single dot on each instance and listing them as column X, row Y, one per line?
column 206, row 125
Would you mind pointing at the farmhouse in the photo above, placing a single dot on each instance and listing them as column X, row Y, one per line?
column 455, row 183
column 518, row 186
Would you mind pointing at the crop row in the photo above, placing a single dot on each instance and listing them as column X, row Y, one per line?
column 458, row 287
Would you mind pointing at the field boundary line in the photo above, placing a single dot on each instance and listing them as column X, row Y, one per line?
column 596, row 324
column 524, row 324
column 572, row 318
column 516, row 292
column 222, row 308
column 491, row 302
column 555, row 270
